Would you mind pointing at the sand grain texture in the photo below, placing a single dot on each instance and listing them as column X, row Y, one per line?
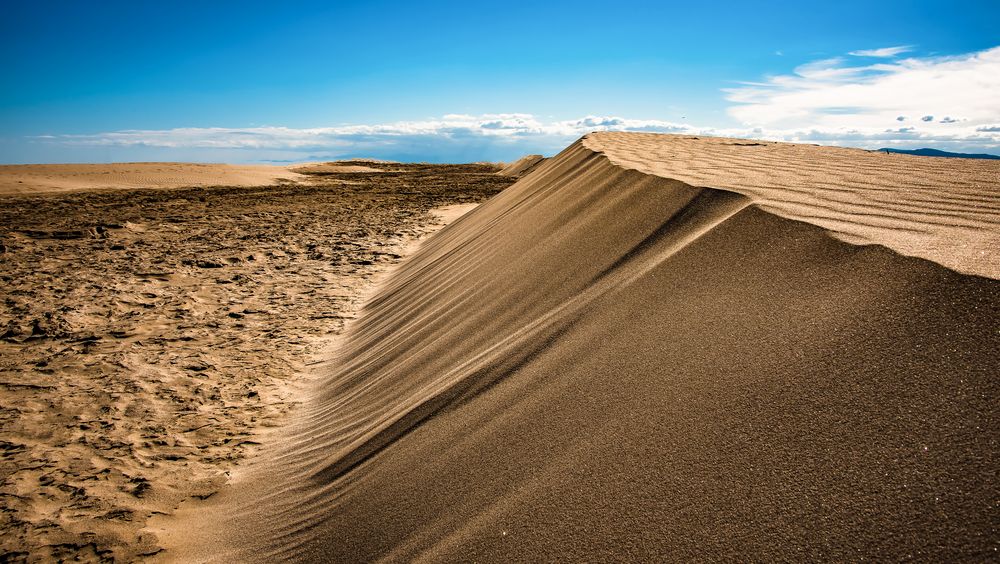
column 149, row 338
column 651, row 348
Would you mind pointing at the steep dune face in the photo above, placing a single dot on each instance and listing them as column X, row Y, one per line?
column 606, row 363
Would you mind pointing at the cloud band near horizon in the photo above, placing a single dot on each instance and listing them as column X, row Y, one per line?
column 948, row 103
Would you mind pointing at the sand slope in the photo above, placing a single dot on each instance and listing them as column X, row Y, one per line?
column 522, row 166
column 608, row 363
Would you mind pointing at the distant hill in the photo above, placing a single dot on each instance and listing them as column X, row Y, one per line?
column 937, row 153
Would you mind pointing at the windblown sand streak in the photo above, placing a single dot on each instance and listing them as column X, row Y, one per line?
column 651, row 348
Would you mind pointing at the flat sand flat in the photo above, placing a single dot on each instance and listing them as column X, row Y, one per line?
column 28, row 179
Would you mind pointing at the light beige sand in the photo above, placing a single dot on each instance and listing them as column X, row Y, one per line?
column 29, row 179
column 947, row 211
column 606, row 363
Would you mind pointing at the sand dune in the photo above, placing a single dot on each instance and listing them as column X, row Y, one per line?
column 652, row 348
column 30, row 179
column 947, row 212
column 522, row 166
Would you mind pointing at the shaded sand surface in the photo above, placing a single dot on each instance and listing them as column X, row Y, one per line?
column 604, row 362
column 149, row 337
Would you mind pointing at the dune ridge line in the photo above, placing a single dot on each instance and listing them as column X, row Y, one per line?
column 606, row 358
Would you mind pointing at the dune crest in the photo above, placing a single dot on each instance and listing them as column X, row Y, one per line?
column 607, row 360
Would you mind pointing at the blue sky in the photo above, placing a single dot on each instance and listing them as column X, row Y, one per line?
column 459, row 81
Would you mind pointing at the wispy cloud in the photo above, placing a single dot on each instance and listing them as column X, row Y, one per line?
column 834, row 101
column 451, row 137
column 883, row 52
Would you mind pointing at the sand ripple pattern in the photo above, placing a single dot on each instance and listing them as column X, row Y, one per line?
column 944, row 210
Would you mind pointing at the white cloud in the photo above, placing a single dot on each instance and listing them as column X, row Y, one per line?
column 453, row 136
column 835, row 102
column 828, row 101
column 883, row 52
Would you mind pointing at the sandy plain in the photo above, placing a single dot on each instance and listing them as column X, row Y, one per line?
column 42, row 178
column 149, row 336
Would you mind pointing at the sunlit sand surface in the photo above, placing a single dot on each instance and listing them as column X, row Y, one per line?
column 149, row 338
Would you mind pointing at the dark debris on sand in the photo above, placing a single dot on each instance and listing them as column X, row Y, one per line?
column 147, row 335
